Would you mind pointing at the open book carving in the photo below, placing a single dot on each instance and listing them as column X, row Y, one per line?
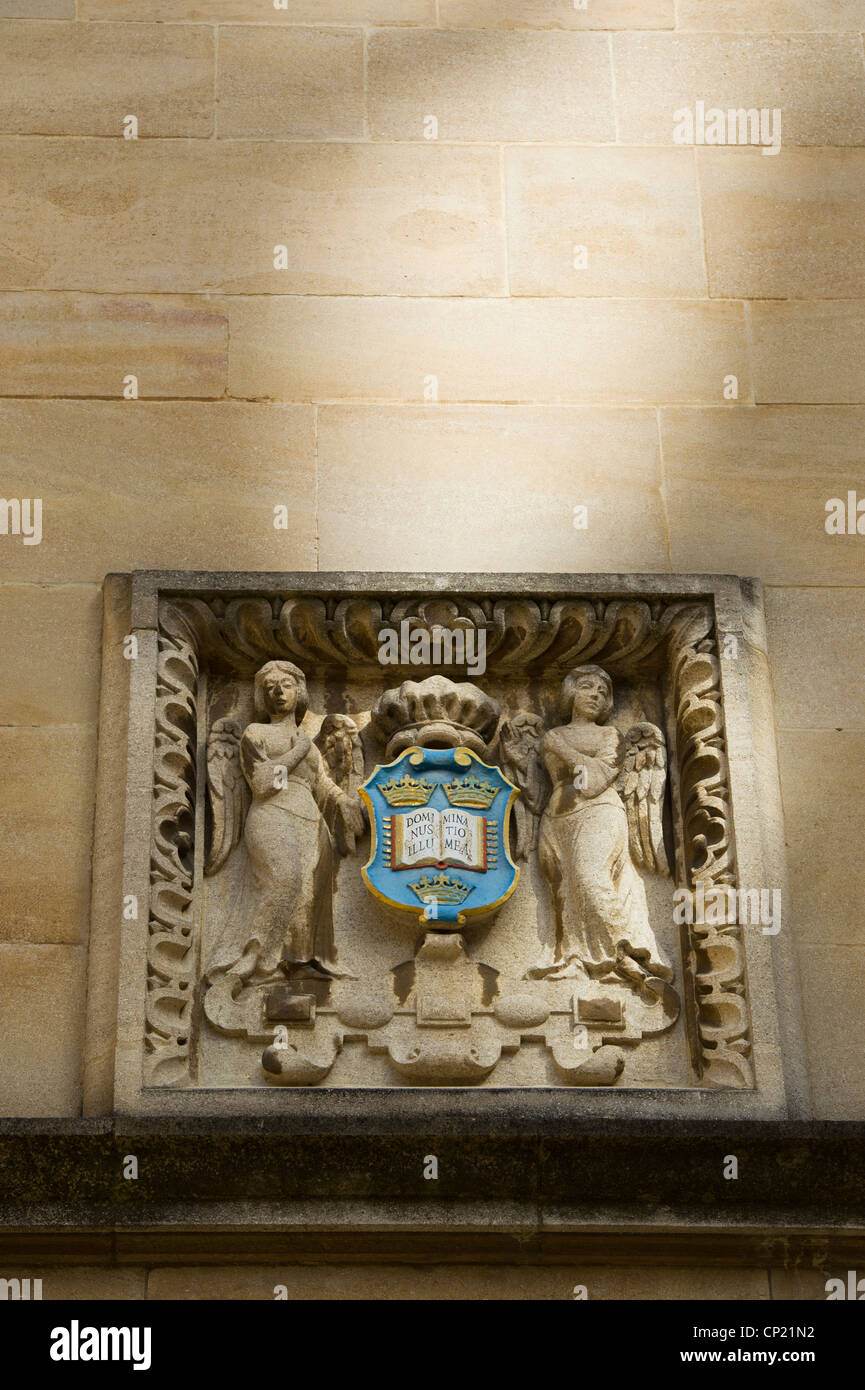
column 428, row 837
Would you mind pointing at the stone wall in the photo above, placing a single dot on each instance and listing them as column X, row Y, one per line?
column 436, row 380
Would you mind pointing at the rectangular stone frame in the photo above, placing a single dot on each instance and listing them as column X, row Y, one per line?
column 743, row 993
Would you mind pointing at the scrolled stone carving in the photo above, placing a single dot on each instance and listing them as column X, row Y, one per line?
column 171, row 953
column 717, row 954
column 340, row 632
column 599, row 1068
column 291, row 1065
column 521, row 634
column 445, row 1061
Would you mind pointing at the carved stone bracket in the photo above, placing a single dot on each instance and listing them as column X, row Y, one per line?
column 450, row 1027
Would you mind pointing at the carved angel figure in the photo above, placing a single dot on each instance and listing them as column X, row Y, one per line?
column 602, row 819
column 283, row 919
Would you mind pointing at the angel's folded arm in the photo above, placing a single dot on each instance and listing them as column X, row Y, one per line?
column 266, row 775
column 597, row 771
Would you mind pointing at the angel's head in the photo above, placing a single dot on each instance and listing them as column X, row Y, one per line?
column 587, row 693
column 280, row 689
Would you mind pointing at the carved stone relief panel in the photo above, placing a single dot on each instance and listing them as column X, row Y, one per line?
column 452, row 832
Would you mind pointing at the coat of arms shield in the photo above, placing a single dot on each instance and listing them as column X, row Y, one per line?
column 440, row 821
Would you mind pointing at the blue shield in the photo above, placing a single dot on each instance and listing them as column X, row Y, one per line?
column 440, row 821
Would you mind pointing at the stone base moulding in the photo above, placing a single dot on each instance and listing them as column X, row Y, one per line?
column 609, row 756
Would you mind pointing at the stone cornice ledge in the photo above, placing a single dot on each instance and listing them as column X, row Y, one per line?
column 512, row 1188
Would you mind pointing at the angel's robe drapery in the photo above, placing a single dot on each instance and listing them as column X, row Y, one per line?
column 284, row 910
column 584, row 852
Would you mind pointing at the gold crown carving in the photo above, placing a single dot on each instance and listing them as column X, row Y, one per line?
column 408, row 791
column 471, row 791
column 445, row 888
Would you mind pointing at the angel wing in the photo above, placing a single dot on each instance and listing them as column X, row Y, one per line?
column 338, row 741
column 229, row 794
column 519, row 755
column 641, row 785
